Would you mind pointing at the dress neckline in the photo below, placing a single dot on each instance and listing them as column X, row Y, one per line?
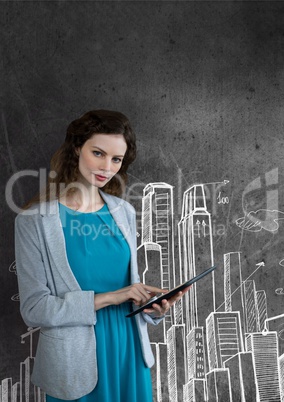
column 81, row 212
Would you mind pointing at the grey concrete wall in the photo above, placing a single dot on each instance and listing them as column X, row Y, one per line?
column 202, row 83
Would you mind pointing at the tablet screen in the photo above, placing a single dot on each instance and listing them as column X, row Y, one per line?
column 158, row 298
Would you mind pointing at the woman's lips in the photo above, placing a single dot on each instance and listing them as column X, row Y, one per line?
column 100, row 177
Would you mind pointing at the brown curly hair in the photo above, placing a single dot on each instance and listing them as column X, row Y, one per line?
column 64, row 163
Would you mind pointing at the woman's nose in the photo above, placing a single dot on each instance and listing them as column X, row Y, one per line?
column 105, row 165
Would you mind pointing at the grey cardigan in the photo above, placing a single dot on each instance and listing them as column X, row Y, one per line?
column 50, row 297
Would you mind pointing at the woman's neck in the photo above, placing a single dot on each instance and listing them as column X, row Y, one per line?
column 84, row 199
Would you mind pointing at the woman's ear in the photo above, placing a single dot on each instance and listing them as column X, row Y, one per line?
column 77, row 151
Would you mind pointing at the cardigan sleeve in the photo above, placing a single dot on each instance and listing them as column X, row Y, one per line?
column 38, row 306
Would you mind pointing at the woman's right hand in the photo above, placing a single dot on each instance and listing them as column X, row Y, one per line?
column 138, row 293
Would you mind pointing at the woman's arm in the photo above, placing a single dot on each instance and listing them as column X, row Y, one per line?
column 138, row 293
column 38, row 306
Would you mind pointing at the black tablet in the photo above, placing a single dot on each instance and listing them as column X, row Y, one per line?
column 158, row 298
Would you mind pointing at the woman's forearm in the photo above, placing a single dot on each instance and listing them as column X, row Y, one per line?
column 103, row 300
column 138, row 293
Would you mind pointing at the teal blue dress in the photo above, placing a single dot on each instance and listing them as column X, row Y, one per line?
column 99, row 257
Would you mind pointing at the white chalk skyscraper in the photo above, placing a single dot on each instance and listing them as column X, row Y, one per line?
column 196, row 255
column 157, row 227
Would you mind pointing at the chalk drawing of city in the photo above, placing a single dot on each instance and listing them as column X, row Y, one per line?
column 203, row 352
column 22, row 390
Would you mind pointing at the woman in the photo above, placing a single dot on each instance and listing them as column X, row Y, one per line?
column 77, row 270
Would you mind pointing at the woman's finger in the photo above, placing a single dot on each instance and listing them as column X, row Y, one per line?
column 154, row 289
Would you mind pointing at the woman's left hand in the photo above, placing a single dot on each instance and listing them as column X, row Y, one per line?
column 158, row 310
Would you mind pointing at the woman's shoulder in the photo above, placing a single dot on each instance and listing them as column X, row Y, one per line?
column 37, row 210
column 27, row 221
column 117, row 202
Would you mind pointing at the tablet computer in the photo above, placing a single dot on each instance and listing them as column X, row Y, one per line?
column 158, row 298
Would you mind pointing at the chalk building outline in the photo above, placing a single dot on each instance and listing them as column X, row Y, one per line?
column 22, row 390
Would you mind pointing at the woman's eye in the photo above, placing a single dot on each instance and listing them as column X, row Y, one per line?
column 97, row 153
column 117, row 160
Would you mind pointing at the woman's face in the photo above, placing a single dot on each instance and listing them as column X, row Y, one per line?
column 100, row 158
